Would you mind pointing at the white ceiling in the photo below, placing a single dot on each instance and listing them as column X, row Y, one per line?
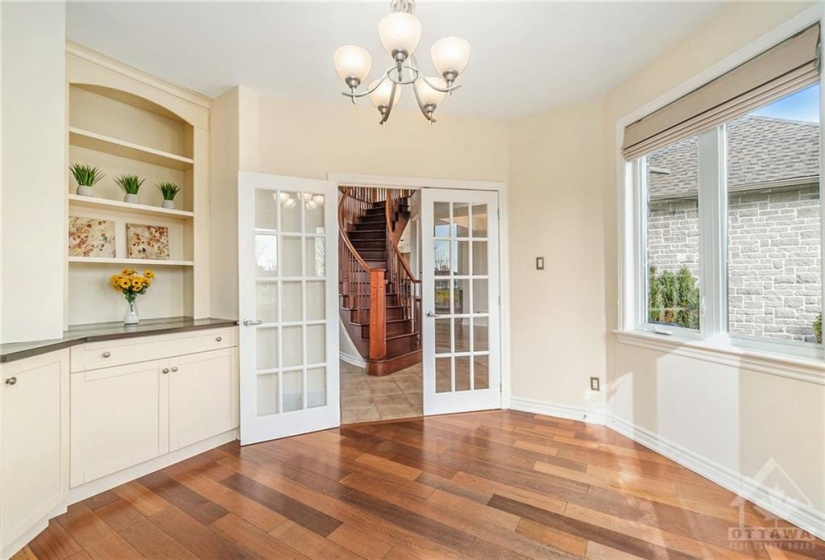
column 527, row 57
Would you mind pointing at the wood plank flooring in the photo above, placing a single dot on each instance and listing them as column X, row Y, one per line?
column 498, row 484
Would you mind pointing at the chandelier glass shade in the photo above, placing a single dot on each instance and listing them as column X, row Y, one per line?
column 400, row 35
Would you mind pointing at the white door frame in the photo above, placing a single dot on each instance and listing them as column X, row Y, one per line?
column 416, row 183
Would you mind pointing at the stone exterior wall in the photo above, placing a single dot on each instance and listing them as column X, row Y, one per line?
column 774, row 265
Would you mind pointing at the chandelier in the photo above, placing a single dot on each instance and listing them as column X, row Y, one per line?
column 400, row 33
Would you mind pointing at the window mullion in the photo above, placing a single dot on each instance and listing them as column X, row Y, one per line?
column 712, row 232
column 640, row 241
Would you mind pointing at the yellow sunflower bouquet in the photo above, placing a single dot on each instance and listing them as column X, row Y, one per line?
column 132, row 284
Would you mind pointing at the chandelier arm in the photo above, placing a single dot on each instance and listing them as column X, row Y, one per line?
column 400, row 81
column 386, row 114
column 450, row 89
column 424, row 112
column 352, row 95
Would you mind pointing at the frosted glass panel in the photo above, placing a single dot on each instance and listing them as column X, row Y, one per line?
column 316, row 300
column 316, row 344
column 461, row 258
column 266, row 209
column 479, row 220
column 291, row 207
column 266, row 301
column 462, row 373
column 293, row 395
column 291, row 259
column 266, row 255
column 315, row 258
column 292, row 302
column 267, row 394
column 267, row 347
column 316, row 387
column 293, row 347
column 443, row 375
column 461, row 219
column 441, row 215
column 315, row 214
column 480, row 258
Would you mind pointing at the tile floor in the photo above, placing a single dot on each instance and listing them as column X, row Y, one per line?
column 366, row 399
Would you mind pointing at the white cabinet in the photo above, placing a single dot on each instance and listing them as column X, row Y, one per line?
column 126, row 414
column 116, row 415
column 34, row 444
column 203, row 396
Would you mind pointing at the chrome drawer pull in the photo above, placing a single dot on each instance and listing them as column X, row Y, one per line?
column 11, row 381
column 218, row 338
column 174, row 369
column 107, row 354
column 165, row 370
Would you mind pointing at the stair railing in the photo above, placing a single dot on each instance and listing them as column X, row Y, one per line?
column 365, row 287
column 404, row 283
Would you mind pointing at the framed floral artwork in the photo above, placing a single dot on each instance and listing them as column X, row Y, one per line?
column 89, row 237
column 147, row 242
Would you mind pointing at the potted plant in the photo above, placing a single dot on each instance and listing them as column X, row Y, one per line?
column 130, row 184
column 169, row 191
column 86, row 177
column 132, row 284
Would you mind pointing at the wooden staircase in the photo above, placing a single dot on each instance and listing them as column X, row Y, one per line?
column 379, row 303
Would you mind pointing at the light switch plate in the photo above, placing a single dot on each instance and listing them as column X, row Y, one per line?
column 539, row 263
column 594, row 384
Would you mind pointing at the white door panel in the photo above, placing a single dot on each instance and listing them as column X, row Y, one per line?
column 288, row 263
column 460, row 300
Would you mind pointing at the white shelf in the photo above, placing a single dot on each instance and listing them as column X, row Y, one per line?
column 137, row 263
column 100, row 143
column 76, row 201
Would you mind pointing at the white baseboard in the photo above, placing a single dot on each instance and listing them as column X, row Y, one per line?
column 802, row 515
column 352, row 360
column 558, row 410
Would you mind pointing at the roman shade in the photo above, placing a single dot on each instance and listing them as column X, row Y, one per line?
column 790, row 65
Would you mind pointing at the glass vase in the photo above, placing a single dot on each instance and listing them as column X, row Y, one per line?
column 131, row 317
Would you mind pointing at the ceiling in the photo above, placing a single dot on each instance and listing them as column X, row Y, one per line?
column 527, row 57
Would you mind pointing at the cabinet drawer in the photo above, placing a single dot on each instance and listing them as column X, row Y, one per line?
column 122, row 351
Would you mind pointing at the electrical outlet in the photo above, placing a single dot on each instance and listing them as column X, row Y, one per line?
column 539, row 263
column 594, row 384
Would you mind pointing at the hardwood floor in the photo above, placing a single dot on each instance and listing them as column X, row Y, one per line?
column 498, row 484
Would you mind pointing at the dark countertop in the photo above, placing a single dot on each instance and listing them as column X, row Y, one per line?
column 107, row 331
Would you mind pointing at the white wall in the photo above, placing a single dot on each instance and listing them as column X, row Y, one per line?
column 34, row 170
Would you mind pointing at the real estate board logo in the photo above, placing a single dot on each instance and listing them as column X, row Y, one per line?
column 759, row 527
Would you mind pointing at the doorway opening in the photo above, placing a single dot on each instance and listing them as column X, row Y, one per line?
column 379, row 304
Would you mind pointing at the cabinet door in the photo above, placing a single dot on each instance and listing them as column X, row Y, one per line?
column 203, row 396
column 35, row 441
column 116, row 419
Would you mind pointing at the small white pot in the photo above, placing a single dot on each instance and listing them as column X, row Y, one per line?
column 131, row 198
column 85, row 190
column 170, row 204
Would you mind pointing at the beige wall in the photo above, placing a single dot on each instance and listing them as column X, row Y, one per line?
column 733, row 417
column 308, row 139
column 34, row 170
column 557, row 315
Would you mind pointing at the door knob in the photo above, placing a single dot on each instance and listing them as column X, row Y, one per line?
column 431, row 314
column 251, row 323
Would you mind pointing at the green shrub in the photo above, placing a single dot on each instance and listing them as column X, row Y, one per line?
column 818, row 328
column 673, row 298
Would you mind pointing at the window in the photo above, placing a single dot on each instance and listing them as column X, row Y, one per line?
column 672, row 177
column 729, row 229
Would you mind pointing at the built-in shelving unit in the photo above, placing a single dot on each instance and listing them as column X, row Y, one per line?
column 126, row 122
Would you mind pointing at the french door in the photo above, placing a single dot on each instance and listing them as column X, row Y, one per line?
column 460, row 300
column 288, row 263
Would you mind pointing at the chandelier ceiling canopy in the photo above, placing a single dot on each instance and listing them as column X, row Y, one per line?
column 400, row 34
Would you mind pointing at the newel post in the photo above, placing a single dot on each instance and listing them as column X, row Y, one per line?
column 378, row 315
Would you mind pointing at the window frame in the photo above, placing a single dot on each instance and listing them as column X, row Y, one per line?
column 713, row 253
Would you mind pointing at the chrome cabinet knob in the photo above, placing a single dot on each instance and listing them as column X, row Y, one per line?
column 218, row 338
column 165, row 370
column 174, row 369
column 11, row 381
column 107, row 354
